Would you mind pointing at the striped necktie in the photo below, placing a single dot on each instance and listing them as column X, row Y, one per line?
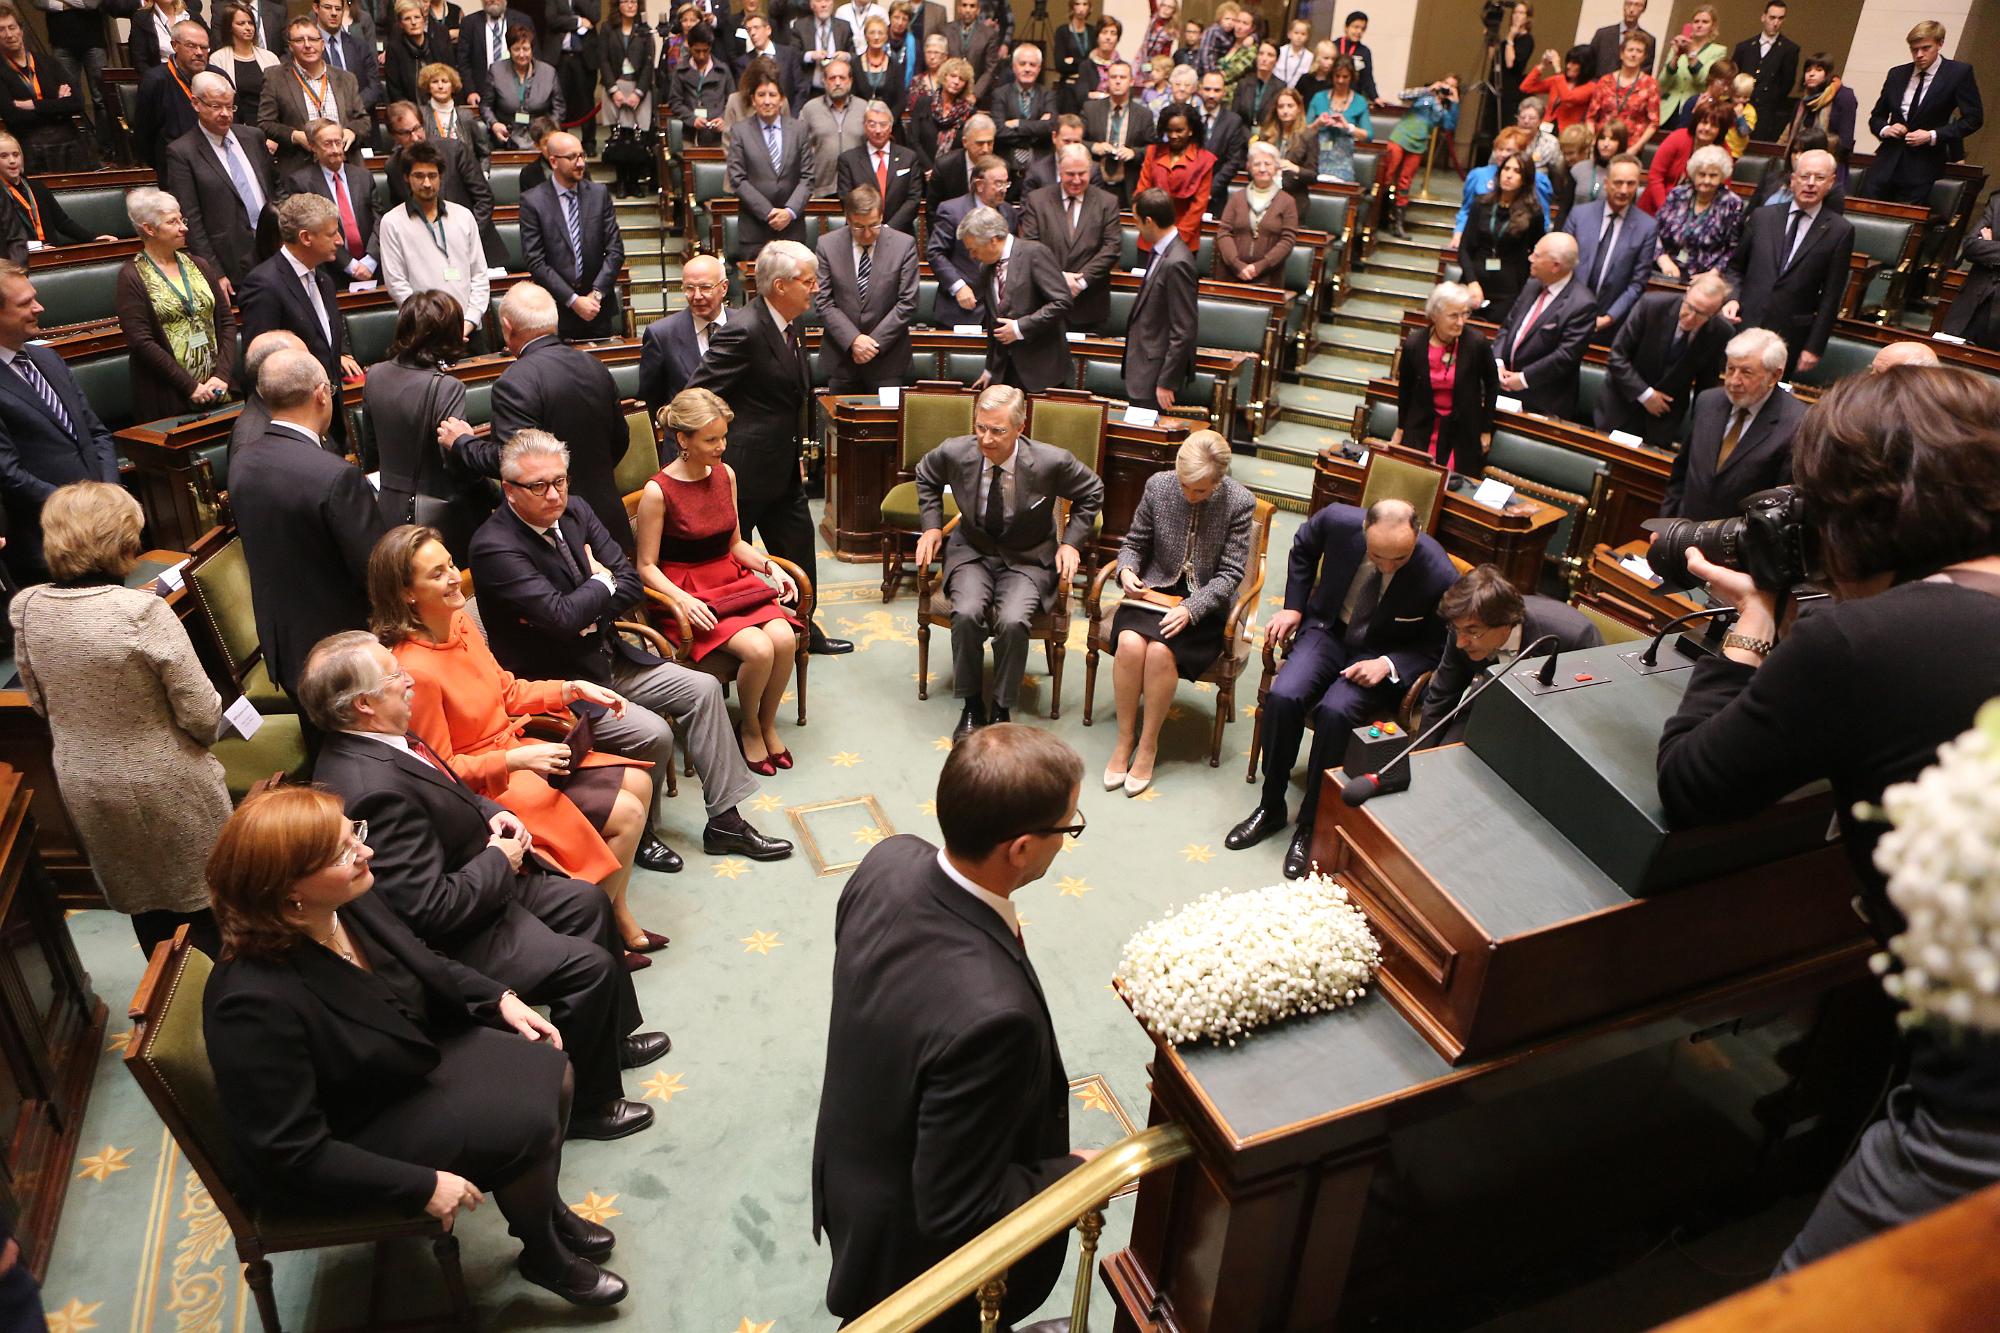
column 863, row 266
column 575, row 226
column 45, row 391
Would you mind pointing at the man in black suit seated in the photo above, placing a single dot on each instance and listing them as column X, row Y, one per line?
column 1079, row 224
column 1739, row 441
column 1790, row 268
column 307, row 517
column 757, row 364
column 1026, row 302
column 1224, row 135
column 350, row 187
column 1925, row 113
column 162, row 112
column 1159, row 339
column 867, row 298
column 896, row 172
column 673, row 346
column 557, row 214
column 461, row 872
column 291, row 291
column 945, row 1104
column 1361, row 616
column 1488, row 623
column 1542, row 344
column 1668, row 351
column 255, row 414
column 1005, row 559
column 49, row 436
column 1024, row 113
column 463, row 183
column 220, row 174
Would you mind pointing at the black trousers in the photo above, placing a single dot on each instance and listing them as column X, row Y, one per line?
column 785, row 524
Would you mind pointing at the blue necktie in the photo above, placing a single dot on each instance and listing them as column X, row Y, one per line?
column 575, row 231
column 333, row 52
column 774, row 146
column 239, row 173
column 45, row 391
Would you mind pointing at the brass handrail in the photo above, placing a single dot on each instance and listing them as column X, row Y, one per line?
column 979, row 1265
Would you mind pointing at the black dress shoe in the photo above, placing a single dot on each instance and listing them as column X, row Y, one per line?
column 818, row 642
column 1000, row 715
column 642, row 1048
column 1298, row 856
column 614, row 1120
column 656, row 855
column 1262, row 823
column 580, row 1283
column 585, row 1239
column 722, row 839
column 969, row 721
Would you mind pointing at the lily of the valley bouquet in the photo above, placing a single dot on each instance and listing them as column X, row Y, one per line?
column 1942, row 857
column 1229, row 963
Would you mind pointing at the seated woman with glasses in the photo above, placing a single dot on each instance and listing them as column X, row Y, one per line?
column 357, row 1068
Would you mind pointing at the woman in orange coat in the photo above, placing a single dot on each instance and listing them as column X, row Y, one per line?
column 1179, row 165
column 472, row 712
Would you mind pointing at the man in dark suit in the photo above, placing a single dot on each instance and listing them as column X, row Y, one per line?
column 1739, row 440
column 1668, row 351
column 462, row 182
column 560, row 389
column 1542, row 344
column 1615, row 243
column 1160, row 337
column 350, row 188
column 757, row 364
column 1790, row 268
column 49, row 436
column 308, row 519
column 1609, row 40
column 896, row 172
column 1026, row 302
column 255, row 414
column 1773, row 59
column 791, row 68
column 976, row 41
column 291, row 290
column 1005, row 559
column 344, row 51
column 1489, row 622
column 769, row 168
column 1361, row 615
column 306, row 90
column 951, row 175
column 866, row 298
column 1925, row 113
column 563, row 212
column 957, row 272
column 1080, row 226
column 162, row 111
column 1975, row 311
column 1224, row 135
column 551, row 582
column 945, row 1104
column 821, row 36
column 482, row 42
column 1024, row 114
column 673, row 346
column 220, row 174
column 1118, row 127
column 458, row 869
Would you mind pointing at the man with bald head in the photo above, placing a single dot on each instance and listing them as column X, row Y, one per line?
column 569, row 236
column 674, row 346
column 1790, row 268
column 1669, row 350
column 162, row 112
column 1542, row 344
column 1898, row 355
column 256, row 414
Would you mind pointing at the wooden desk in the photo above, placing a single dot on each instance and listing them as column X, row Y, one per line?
column 1615, row 591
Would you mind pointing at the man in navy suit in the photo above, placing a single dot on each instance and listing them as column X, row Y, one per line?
column 1739, row 438
column 1615, row 243
column 291, row 291
column 957, row 271
column 1926, row 110
column 1361, row 601
column 675, row 345
column 556, row 215
column 1542, row 344
column 350, row 188
column 48, row 434
column 344, row 51
column 1790, row 268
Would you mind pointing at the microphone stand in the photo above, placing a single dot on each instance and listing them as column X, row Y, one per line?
column 1651, row 657
column 1358, row 791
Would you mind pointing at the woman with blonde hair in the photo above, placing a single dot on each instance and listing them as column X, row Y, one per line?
column 413, row 46
column 937, row 125
column 443, row 118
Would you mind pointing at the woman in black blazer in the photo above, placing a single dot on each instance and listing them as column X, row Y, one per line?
column 1500, row 234
column 357, row 1067
column 1453, row 364
column 406, row 396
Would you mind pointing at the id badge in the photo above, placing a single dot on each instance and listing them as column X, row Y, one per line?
column 451, row 274
column 629, row 71
column 1492, row 263
column 521, row 118
column 198, row 343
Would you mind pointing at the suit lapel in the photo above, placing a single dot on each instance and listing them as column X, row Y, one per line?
column 383, row 753
column 341, row 986
column 19, row 388
column 987, row 922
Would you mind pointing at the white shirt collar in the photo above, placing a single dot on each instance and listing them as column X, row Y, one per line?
column 1753, row 409
column 1006, row 248
column 784, row 325
column 1555, row 289
column 219, row 142
column 1004, row 906
column 1006, row 464
column 393, row 742
column 298, row 270
column 303, row 432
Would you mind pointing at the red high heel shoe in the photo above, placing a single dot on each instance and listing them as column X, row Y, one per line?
column 764, row 768
column 782, row 758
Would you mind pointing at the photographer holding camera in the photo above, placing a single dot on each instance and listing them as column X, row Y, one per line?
column 1897, row 489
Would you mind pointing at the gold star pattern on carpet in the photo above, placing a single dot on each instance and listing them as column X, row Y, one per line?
column 761, row 942
column 844, row 759
column 767, row 802
column 942, row 744
column 1175, row 713
column 1072, row 886
column 662, row 1086
column 74, row 1317
column 1092, row 1097
column 100, row 1165
column 1069, row 842
column 869, row 836
column 1197, row 854
column 597, row 1208
column 731, row 867
column 748, row 1327
column 1150, row 794
column 120, row 1041
column 929, row 808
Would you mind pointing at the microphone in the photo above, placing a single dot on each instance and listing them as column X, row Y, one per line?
column 1359, row 791
column 1651, row 657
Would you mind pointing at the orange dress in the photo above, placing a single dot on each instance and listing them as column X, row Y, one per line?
column 472, row 711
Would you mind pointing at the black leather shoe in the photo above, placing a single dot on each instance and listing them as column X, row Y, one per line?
column 642, row 1048
column 969, row 721
column 656, row 855
column 1000, row 715
column 817, row 642
column 1298, row 856
column 1262, row 823
column 581, row 1283
column 719, row 839
column 614, row 1120
column 586, row 1240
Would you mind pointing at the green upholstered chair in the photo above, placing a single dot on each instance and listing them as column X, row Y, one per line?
column 1119, row 317
column 1204, row 256
column 1328, row 213
column 1074, row 421
column 1614, row 631
column 964, row 367
column 98, row 210
column 278, row 747
column 79, row 293
column 710, row 182
column 1050, row 625
column 222, row 592
column 1593, row 379
column 1572, row 481
column 510, row 241
column 1404, row 474
column 625, row 376
column 1892, row 243
column 1951, row 197
column 1375, row 419
column 642, row 452
column 479, row 403
column 106, row 382
column 506, row 181
column 930, row 417
column 1128, row 248
column 1843, row 356
column 1242, row 326
column 369, row 333
column 727, row 244
column 167, row 1057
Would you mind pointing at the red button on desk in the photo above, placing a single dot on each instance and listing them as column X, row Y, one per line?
column 1582, row 676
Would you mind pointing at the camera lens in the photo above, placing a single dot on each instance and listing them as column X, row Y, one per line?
column 1719, row 539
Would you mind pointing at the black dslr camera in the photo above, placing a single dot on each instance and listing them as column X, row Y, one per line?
column 1770, row 541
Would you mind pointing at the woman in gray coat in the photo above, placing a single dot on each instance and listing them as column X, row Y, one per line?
column 523, row 88
column 131, row 712
column 1180, row 567
column 406, row 397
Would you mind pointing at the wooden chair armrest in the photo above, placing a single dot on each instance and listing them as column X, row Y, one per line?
column 808, row 598
column 654, row 597
column 654, row 639
column 1093, row 600
column 1246, row 603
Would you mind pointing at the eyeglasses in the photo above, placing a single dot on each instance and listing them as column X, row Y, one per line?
column 701, row 288
column 357, row 839
column 540, row 489
column 1067, row 830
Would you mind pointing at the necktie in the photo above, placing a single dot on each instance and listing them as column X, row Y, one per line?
column 1917, row 93
column 1070, row 210
column 333, row 53
column 863, row 266
column 349, row 228
column 701, row 332
column 1114, row 135
column 1534, row 313
column 431, row 757
column 774, row 146
column 1365, row 603
column 318, row 306
column 1000, row 288
column 882, row 171
column 993, row 518
column 1737, row 421
column 45, row 391
column 554, row 538
column 1606, row 243
column 493, row 48
column 575, row 226
column 1792, row 236
column 1676, row 344
column 239, row 176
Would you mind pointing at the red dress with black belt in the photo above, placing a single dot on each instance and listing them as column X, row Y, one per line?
column 697, row 532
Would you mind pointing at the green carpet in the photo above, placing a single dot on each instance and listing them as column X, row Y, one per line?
column 712, row 1204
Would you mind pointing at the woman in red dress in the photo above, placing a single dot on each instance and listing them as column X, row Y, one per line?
column 691, row 550
column 1179, row 165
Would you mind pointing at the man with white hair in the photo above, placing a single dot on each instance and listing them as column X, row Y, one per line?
column 1079, row 224
column 896, row 172
column 757, row 364
column 1790, row 268
column 1542, row 344
column 1667, row 352
column 1026, row 301
column 1906, row 353
column 220, row 174
column 255, row 414
column 1023, row 111
column 1740, row 439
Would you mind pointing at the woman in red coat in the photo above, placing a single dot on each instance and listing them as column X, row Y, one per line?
column 1179, row 165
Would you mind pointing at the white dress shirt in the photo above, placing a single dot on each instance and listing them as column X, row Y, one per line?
column 222, row 146
column 1003, row 906
column 306, row 277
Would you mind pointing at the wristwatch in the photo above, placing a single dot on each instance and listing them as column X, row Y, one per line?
column 1761, row 647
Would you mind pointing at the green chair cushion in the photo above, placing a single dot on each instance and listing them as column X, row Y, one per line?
column 710, row 182
column 1237, row 326
column 369, row 333
column 506, row 182
column 1379, row 422
column 1119, row 318
column 965, row 367
column 263, row 692
column 278, row 747
column 479, row 403
column 1881, row 238
column 223, row 583
column 929, row 419
column 642, row 453
column 106, row 382
column 510, row 241
column 901, row 511
column 1843, row 357
column 1327, row 213
column 626, row 377
column 98, row 210
column 79, row 293
column 1075, row 427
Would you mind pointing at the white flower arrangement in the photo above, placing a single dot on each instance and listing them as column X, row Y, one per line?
column 1942, row 857
column 1229, row 963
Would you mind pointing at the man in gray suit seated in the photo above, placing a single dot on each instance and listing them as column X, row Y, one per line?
column 769, row 168
column 1490, row 622
column 1003, row 562
column 866, row 298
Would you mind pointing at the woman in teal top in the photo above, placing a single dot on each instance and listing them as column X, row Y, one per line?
column 1684, row 68
column 1340, row 114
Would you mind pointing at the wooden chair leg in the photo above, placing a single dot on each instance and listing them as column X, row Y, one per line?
column 923, row 655
column 892, row 571
column 257, row 1275
column 1056, row 654
column 459, row 1302
column 1256, row 740
column 1089, row 680
column 1225, row 705
column 803, row 660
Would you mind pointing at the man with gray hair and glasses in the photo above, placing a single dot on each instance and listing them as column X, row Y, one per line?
column 1025, row 300
column 1790, row 268
column 1740, row 439
column 1668, row 351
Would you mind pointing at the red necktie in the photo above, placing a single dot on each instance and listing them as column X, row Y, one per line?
column 1534, row 313
column 349, row 228
column 430, row 756
column 882, row 171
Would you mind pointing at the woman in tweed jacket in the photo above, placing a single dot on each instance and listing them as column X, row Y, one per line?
column 1189, row 540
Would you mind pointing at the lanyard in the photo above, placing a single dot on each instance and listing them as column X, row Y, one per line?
column 175, row 71
column 24, row 195
column 31, row 78
column 437, row 236
column 521, row 87
column 320, row 98
column 444, row 131
column 185, row 294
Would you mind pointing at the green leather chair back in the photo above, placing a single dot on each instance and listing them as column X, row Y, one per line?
column 1948, row 196
column 99, row 211
column 506, row 181
column 626, row 378
column 222, row 582
column 1390, row 478
column 1104, row 379
column 1237, row 326
column 965, row 367
column 369, row 333
column 106, row 382
column 729, row 235
column 1119, row 317
column 1327, row 213
column 1204, row 256
column 510, row 241
column 710, row 182
column 479, row 403
column 926, row 297
column 1553, row 466
column 1844, row 356
column 1750, row 168
column 79, row 293
column 1592, row 380
column 1378, row 419
column 1367, row 165
column 1881, row 238
column 642, row 453
column 1298, row 273
column 176, row 1053
column 278, row 747
column 928, row 420
column 1128, row 248
column 1075, row 427
column 217, row 458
